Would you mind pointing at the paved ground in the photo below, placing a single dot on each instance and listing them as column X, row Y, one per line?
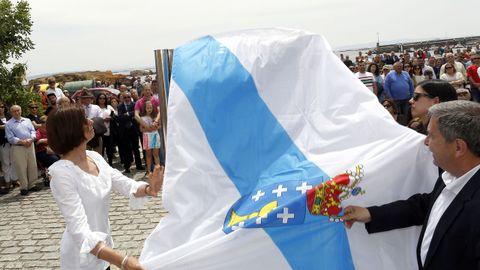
column 31, row 227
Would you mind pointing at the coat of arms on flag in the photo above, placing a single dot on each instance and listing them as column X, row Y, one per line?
column 285, row 203
column 261, row 125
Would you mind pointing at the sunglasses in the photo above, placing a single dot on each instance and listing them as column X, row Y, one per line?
column 33, row 107
column 448, row 67
column 386, row 106
column 416, row 96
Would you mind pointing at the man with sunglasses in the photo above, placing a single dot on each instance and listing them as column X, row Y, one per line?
column 33, row 115
column 52, row 88
column 449, row 215
column 128, row 132
column 473, row 74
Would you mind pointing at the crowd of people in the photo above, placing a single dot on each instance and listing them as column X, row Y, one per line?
column 77, row 141
column 87, row 132
column 122, row 124
column 393, row 77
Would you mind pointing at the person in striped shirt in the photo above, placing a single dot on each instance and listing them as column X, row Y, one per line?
column 367, row 78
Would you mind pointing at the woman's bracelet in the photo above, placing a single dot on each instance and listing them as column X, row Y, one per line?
column 124, row 261
column 146, row 187
column 100, row 249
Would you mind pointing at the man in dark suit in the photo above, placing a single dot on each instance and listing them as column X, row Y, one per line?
column 450, row 214
column 128, row 134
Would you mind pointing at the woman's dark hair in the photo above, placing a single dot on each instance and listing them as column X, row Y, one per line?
column 65, row 128
column 98, row 99
column 417, row 67
column 377, row 70
column 439, row 88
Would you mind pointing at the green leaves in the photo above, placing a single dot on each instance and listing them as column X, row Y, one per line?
column 15, row 30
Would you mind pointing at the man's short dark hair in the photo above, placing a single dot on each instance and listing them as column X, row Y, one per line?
column 65, row 128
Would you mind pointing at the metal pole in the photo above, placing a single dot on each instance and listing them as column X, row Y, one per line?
column 163, row 64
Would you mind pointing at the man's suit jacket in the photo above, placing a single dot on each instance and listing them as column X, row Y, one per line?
column 456, row 240
column 126, row 116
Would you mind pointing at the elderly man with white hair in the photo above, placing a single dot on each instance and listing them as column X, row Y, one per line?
column 21, row 134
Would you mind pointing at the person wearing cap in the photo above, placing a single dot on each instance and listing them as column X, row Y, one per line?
column 94, row 113
column 91, row 110
column 53, row 89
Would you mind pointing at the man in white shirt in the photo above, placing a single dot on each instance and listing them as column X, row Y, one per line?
column 450, row 214
column 91, row 110
column 52, row 88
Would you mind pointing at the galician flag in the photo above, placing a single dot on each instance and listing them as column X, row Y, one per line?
column 269, row 137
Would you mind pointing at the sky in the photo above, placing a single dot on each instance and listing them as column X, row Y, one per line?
column 78, row 35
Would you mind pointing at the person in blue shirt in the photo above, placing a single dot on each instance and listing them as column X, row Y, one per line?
column 399, row 87
column 21, row 134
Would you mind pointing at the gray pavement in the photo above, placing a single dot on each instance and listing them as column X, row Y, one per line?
column 31, row 227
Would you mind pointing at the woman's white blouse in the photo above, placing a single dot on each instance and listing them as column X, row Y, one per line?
column 84, row 201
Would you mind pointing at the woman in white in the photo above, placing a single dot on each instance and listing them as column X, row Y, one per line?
column 81, row 185
column 452, row 76
column 106, row 113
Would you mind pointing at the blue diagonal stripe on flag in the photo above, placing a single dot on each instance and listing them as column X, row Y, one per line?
column 253, row 148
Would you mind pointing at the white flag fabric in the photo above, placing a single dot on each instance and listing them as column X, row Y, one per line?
column 256, row 120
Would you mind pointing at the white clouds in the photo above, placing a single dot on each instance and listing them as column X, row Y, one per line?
column 100, row 34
